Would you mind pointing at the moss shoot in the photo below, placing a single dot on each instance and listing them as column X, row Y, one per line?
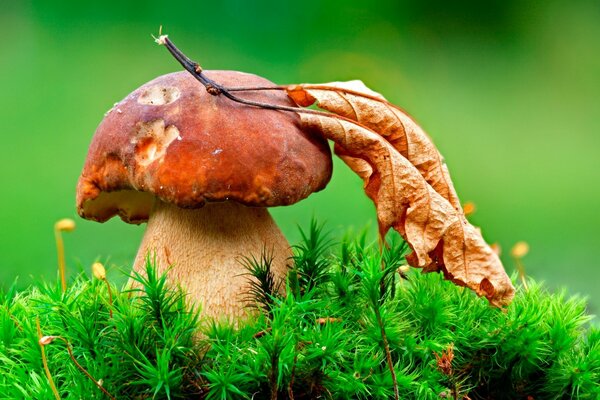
column 353, row 324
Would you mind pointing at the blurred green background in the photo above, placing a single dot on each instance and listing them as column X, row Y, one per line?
column 509, row 91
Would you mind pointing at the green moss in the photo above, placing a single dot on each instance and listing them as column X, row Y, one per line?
column 347, row 316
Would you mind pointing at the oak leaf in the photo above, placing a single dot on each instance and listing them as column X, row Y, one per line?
column 412, row 191
column 357, row 102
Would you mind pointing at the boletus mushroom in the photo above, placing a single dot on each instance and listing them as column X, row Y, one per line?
column 201, row 170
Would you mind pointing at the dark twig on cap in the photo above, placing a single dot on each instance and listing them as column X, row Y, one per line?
column 215, row 88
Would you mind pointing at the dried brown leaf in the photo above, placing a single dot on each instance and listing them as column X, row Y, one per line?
column 357, row 102
column 438, row 233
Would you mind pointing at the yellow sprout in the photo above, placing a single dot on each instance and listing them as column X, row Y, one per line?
column 496, row 248
column 98, row 271
column 43, row 341
column 46, row 340
column 63, row 225
column 469, row 208
column 520, row 250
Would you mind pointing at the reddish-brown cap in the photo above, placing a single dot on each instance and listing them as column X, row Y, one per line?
column 173, row 140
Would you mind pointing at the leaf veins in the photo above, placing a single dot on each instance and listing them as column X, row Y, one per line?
column 406, row 178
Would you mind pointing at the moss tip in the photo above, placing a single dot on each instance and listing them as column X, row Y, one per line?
column 520, row 249
column 99, row 271
column 65, row 224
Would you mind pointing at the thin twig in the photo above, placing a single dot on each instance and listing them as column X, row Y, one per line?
column 43, row 341
column 63, row 225
column 60, row 251
column 383, row 245
column 44, row 360
column 520, row 250
column 522, row 275
column 110, row 300
column 216, row 89
column 99, row 272
column 83, row 369
column 388, row 354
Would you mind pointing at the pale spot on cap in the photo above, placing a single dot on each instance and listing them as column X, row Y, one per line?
column 159, row 95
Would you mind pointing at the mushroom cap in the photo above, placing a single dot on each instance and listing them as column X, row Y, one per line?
column 172, row 140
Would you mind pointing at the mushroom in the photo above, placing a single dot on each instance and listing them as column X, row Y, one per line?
column 201, row 170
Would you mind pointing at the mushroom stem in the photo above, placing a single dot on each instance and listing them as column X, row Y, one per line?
column 202, row 249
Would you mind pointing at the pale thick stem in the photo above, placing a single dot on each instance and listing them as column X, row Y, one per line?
column 203, row 248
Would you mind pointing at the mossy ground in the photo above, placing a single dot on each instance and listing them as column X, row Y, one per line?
column 348, row 314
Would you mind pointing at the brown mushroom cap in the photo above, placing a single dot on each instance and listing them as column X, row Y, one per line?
column 173, row 140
